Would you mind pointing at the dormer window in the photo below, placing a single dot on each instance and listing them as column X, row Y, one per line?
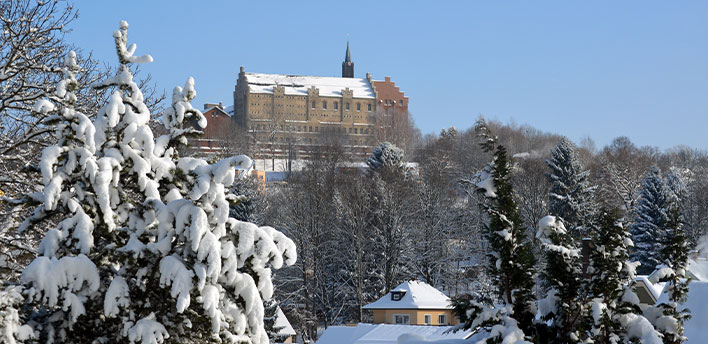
column 397, row 295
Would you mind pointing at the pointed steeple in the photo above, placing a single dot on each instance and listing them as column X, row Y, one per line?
column 348, row 56
column 348, row 65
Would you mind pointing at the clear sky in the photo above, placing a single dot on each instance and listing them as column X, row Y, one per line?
column 579, row 68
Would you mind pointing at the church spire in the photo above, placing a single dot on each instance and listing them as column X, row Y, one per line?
column 348, row 57
column 348, row 65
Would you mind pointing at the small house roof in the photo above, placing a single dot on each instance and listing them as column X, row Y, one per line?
column 418, row 295
column 654, row 289
column 281, row 321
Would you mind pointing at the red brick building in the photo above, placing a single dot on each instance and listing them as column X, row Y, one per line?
column 219, row 131
column 391, row 110
column 389, row 97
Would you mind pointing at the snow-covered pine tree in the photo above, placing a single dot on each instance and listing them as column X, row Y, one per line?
column 386, row 157
column 564, row 304
column 58, row 287
column 12, row 330
column 511, row 261
column 572, row 196
column 652, row 217
column 666, row 316
column 613, row 314
column 250, row 207
column 270, row 317
column 142, row 226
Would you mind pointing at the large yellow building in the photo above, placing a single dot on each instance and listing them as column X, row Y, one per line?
column 292, row 115
column 287, row 112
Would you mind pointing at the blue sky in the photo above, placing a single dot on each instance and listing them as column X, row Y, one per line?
column 579, row 68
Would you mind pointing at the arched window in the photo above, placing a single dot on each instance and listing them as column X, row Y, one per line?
column 336, row 105
column 369, row 108
column 313, row 105
column 358, row 106
column 324, row 105
column 347, row 107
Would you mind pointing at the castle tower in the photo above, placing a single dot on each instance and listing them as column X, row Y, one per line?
column 347, row 65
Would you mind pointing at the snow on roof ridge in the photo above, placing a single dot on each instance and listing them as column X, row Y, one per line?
column 328, row 86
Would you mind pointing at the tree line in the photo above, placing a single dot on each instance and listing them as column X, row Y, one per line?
column 362, row 230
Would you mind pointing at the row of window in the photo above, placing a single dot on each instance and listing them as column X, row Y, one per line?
column 405, row 319
column 393, row 102
column 311, row 140
column 310, row 129
column 336, row 106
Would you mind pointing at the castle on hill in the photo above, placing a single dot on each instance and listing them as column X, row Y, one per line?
column 291, row 116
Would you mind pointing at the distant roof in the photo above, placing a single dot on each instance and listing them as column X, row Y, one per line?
column 698, row 269
column 282, row 321
column 695, row 329
column 217, row 108
column 230, row 110
column 419, row 295
column 388, row 333
column 299, row 84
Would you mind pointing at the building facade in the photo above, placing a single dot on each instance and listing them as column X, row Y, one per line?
column 217, row 134
column 290, row 116
column 413, row 303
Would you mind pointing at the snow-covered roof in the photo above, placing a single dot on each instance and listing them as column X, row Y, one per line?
column 698, row 269
column 418, row 295
column 388, row 333
column 298, row 85
column 217, row 108
column 654, row 289
column 282, row 321
column 695, row 329
column 229, row 110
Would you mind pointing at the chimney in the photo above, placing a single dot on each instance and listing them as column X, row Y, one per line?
column 585, row 251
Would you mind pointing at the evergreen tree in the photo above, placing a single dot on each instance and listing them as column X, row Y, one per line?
column 668, row 318
column 386, row 157
column 511, row 261
column 270, row 317
column 572, row 196
column 146, row 250
column 613, row 315
column 652, row 218
column 564, row 304
column 250, row 206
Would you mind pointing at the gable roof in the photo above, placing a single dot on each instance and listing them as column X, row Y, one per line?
column 282, row 322
column 299, row 84
column 418, row 295
column 653, row 290
column 216, row 108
